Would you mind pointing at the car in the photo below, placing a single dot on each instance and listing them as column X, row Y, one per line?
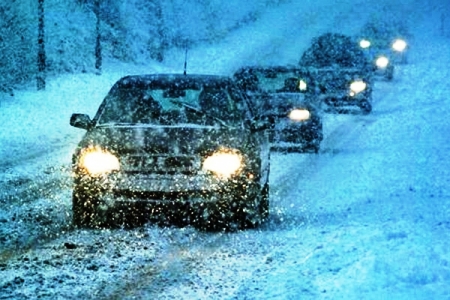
column 342, row 76
column 386, row 37
column 281, row 91
column 172, row 149
column 383, row 66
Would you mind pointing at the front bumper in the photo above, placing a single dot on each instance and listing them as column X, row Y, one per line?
column 300, row 134
column 177, row 200
column 387, row 72
column 342, row 101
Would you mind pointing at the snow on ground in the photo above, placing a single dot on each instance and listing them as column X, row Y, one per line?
column 367, row 218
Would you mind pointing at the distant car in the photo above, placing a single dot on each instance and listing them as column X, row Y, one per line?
column 382, row 64
column 342, row 74
column 387, row 38
column 280, row 91
column 185, row 149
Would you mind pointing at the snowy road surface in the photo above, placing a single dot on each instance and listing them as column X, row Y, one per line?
column 365, row 218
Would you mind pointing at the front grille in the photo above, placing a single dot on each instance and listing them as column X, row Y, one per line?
column 335, row 85
column 161, row 164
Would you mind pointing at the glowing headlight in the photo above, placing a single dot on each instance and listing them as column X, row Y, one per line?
column 302, row 86
column 399, row 45
column 382, row 62
column 357, row 87
column 364, row 44
column 299, row 115
column 98, row 161
column 224, row 163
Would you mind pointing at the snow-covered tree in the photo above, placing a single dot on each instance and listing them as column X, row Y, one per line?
column 41, row 58
column 17, row 43
column 81, row 35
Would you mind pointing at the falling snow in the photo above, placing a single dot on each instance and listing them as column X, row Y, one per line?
column 368, row 217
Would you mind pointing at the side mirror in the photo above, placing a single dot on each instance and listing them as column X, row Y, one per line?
column 80, row 121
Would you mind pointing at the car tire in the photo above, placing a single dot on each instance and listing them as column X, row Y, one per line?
column 264, row 203
column 251, row 216
column 313, row 148
column 85, row 210
column 389, row 75
column 81, row 213
column 241, row 212
column 366, row 107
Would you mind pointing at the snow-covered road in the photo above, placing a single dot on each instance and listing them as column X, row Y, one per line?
column 366, row 218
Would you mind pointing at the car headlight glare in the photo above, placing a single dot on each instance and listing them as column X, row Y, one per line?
column 382, row 62
column 97, row 161
column 364, row 43
column 399, row 45
column 357, row 87
column 224, row 163
column 302, row 86
column 299, row 115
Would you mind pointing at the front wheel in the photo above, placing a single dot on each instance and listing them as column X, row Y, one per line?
column 313, row 148
column 389, row 75
column 86, row 211
column 264, row 203
column 365, row 106
column 239, row 212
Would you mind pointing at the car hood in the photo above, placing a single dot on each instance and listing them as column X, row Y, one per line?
column 154, row 139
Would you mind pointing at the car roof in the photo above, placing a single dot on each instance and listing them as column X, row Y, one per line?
column 188, row 81
column 331, row 49
column 269, row 69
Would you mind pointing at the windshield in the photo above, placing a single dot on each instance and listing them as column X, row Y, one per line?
column 273, row 80
column 170, row 106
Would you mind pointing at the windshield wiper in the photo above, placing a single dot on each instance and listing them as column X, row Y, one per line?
column 199, row 112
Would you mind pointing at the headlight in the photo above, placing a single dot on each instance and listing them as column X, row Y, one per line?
column 299, row 115
column 302, row 86
column 364, row 43
column 224, row 163
column 97, row 161
column 399, row 45
column 382, row 62
column 357, row 87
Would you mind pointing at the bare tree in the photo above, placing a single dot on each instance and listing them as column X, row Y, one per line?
column 163, row 44
column 41, row 58
column 17, row 44
column 98, row 45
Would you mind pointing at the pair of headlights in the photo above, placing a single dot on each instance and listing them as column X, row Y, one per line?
column 398, row 45
column 223, row 163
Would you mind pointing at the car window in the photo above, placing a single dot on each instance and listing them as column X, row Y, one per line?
column 270, row 83
column 272, row 80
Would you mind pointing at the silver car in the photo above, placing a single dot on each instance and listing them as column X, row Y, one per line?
column 175, row 149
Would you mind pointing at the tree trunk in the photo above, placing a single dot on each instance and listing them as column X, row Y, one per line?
column 159, row 55
column 98, row 46
column 41, row 48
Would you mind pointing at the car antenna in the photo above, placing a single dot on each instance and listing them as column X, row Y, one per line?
column 185, row 59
